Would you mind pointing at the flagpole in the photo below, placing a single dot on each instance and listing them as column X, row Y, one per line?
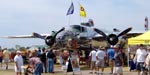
column 79, row 13
column 69, row 20
column 70, row 11
column 80, row 20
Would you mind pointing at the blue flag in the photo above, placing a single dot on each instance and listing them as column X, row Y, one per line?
column 71, row 9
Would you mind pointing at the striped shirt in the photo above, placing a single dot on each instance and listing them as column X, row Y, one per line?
column 35, row 60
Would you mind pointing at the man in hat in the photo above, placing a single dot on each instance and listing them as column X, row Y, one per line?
column 18, row 62
column 100, row 56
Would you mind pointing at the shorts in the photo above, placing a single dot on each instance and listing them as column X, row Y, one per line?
column 17, row 70
column 1, row 59
column 111, row 62
column 118, row 70
column 6, row 60
column 139, row 66
column 100, row 63
column 93, row 64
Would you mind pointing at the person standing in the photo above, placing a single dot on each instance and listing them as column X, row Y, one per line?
column 39, row 52
column 44, row 60
column 1, row 57
column 92, row 56
column 100, row 55
column 118, row 62
column 51, row 57
column 18, row 62
column 140, row 58
column 6, row 57
column 147, row 61
column 87, row 60
column 65, row 56
column 111, row 53
column 36, row 64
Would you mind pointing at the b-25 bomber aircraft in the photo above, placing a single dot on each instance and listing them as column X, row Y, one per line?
column 83, row 33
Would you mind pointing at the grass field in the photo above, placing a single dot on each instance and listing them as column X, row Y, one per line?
column 58, row 71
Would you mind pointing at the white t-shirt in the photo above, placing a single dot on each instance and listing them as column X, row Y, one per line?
column 93, row 55
column 100, row 54
column 19, row 60
column 141, row 54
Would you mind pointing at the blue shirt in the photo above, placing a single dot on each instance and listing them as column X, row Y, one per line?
column 110, row 53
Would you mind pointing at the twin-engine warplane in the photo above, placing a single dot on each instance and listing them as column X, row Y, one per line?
column 82, row 33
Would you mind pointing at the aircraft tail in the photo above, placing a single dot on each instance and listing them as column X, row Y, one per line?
column 90, row 23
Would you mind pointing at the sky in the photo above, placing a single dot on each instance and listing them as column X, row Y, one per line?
column 22, row 17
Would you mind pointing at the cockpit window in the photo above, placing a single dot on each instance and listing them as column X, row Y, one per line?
column 78, row 28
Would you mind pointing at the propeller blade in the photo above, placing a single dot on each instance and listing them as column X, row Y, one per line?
column 38, row 35
column 50, row 40
column 58, row 32
column 100, row 32
column 125, row 31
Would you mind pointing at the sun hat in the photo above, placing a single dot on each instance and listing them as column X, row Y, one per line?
column 18, row 52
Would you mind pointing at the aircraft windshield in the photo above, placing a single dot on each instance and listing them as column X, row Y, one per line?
column 78, row 28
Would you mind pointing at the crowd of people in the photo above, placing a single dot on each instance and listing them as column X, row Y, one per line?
column 33, row 60
column 102, row 56
column 42, row 60
column 115, row 58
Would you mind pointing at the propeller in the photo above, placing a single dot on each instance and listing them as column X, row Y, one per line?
column 50, row 40
column 125, row 31
column 100, row 32
column 38, row 35
column 112, row 39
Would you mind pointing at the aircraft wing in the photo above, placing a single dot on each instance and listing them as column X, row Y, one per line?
column 24, row 36
column 134, row 33
column 130, row 34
